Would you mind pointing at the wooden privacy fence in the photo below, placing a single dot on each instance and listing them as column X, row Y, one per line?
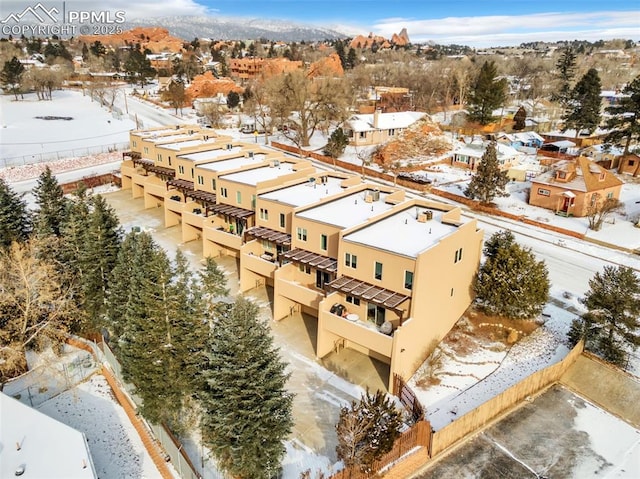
column 486, row 412
column 408, row 398
column 410, row 441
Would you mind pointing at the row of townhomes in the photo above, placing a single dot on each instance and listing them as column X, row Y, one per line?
column 384, row 274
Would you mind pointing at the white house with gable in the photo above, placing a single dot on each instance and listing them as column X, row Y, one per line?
column 377, row 128
column 34, row 445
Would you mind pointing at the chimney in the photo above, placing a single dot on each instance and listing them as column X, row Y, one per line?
column 376, row 117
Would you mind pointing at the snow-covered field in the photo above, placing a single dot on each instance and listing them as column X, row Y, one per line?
column 70, row 124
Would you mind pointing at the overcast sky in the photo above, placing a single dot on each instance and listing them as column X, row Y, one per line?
column 476, row 23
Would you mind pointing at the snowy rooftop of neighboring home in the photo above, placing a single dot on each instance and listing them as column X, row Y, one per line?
column 526, row 136
column 477, row 148
column 177, row 146
column 48, row 448
column 572, row 133
column 403, row 233
column 386, row 121
column 262, row 173
column 305, row 193
column 349, row 210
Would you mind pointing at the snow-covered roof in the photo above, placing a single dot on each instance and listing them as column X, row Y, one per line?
column 44, row 447
column 526, row 136
column 180, row 145
column 563, row 144
column 347, row 211
column 228, row 164
column 262, row 173
column 305, row 193
column 402, row 233
column 477, row 148
column 386, row 121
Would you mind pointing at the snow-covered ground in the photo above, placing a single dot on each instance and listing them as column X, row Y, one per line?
column 68, row 388
column 470, row 374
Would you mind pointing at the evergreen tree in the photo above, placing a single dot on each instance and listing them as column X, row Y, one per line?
column 520, row 119
column 213, row 286
column 50, row 215
column 624, row 119
column 612, row 324
column 565, row 66
column 138, row 67
column 583, row 112
column 489, row 180
column 11, row 76
column 99, row 256
column 157, row 317
column 367, row 430
column 339, row 48
column 15, row 220
column 352, row 58
column 247, row 410
column 511, row 282
column 337, row 143
column 233, row 99
column 488, row 94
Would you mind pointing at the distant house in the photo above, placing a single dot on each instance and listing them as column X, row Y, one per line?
column 378, row 127
column 572, row 186
column 522, row 139
column 469, row 155
column 629, row 164
column 606, row 156
column 40, row 446
column 560, row 146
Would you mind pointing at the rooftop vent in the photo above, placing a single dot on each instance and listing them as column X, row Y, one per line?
column 424, row 216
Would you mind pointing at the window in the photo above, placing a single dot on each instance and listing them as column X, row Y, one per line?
column 213, row 184
column 378, row 270
column 302, row 234
column 191, row 172
column 458, row 256
column 305, row 268
column 135, row 143
column 544, row 192
column 253, row 202
column 452, row 292
column 630, row 163
column 392, row 132
column 159, row 158
column 239, row 197
column 408, row 280
column 181, row 169
column 603, row 175
column 610, row 195
column 323, row 242
column 146, row 150
column 264, row 214
column 362, row 134
column 353, row 300
column 282, row 220
column 223, row 192
column 562, row 175
column 350, row 260
column 169, row 161
column 200, row 180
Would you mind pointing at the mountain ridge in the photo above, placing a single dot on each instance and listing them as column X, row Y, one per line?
column 228, row 28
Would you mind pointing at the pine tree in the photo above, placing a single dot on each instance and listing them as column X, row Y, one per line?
column 511, row 282
column 233, row 99
column 489, row 180
column 611, row 327
column 565, row 66
column 50, row 215
column 15, row 220
column 583, row 111
column 247, row 410
column 367, row 430
column 489, row 93
column 11, row 76
column 520, row 119
column 624, row 119
column 138, row 67
column 352, row 58
column 99, row 256
column 337, row 143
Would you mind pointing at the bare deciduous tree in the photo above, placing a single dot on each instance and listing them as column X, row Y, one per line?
column 600, row 209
